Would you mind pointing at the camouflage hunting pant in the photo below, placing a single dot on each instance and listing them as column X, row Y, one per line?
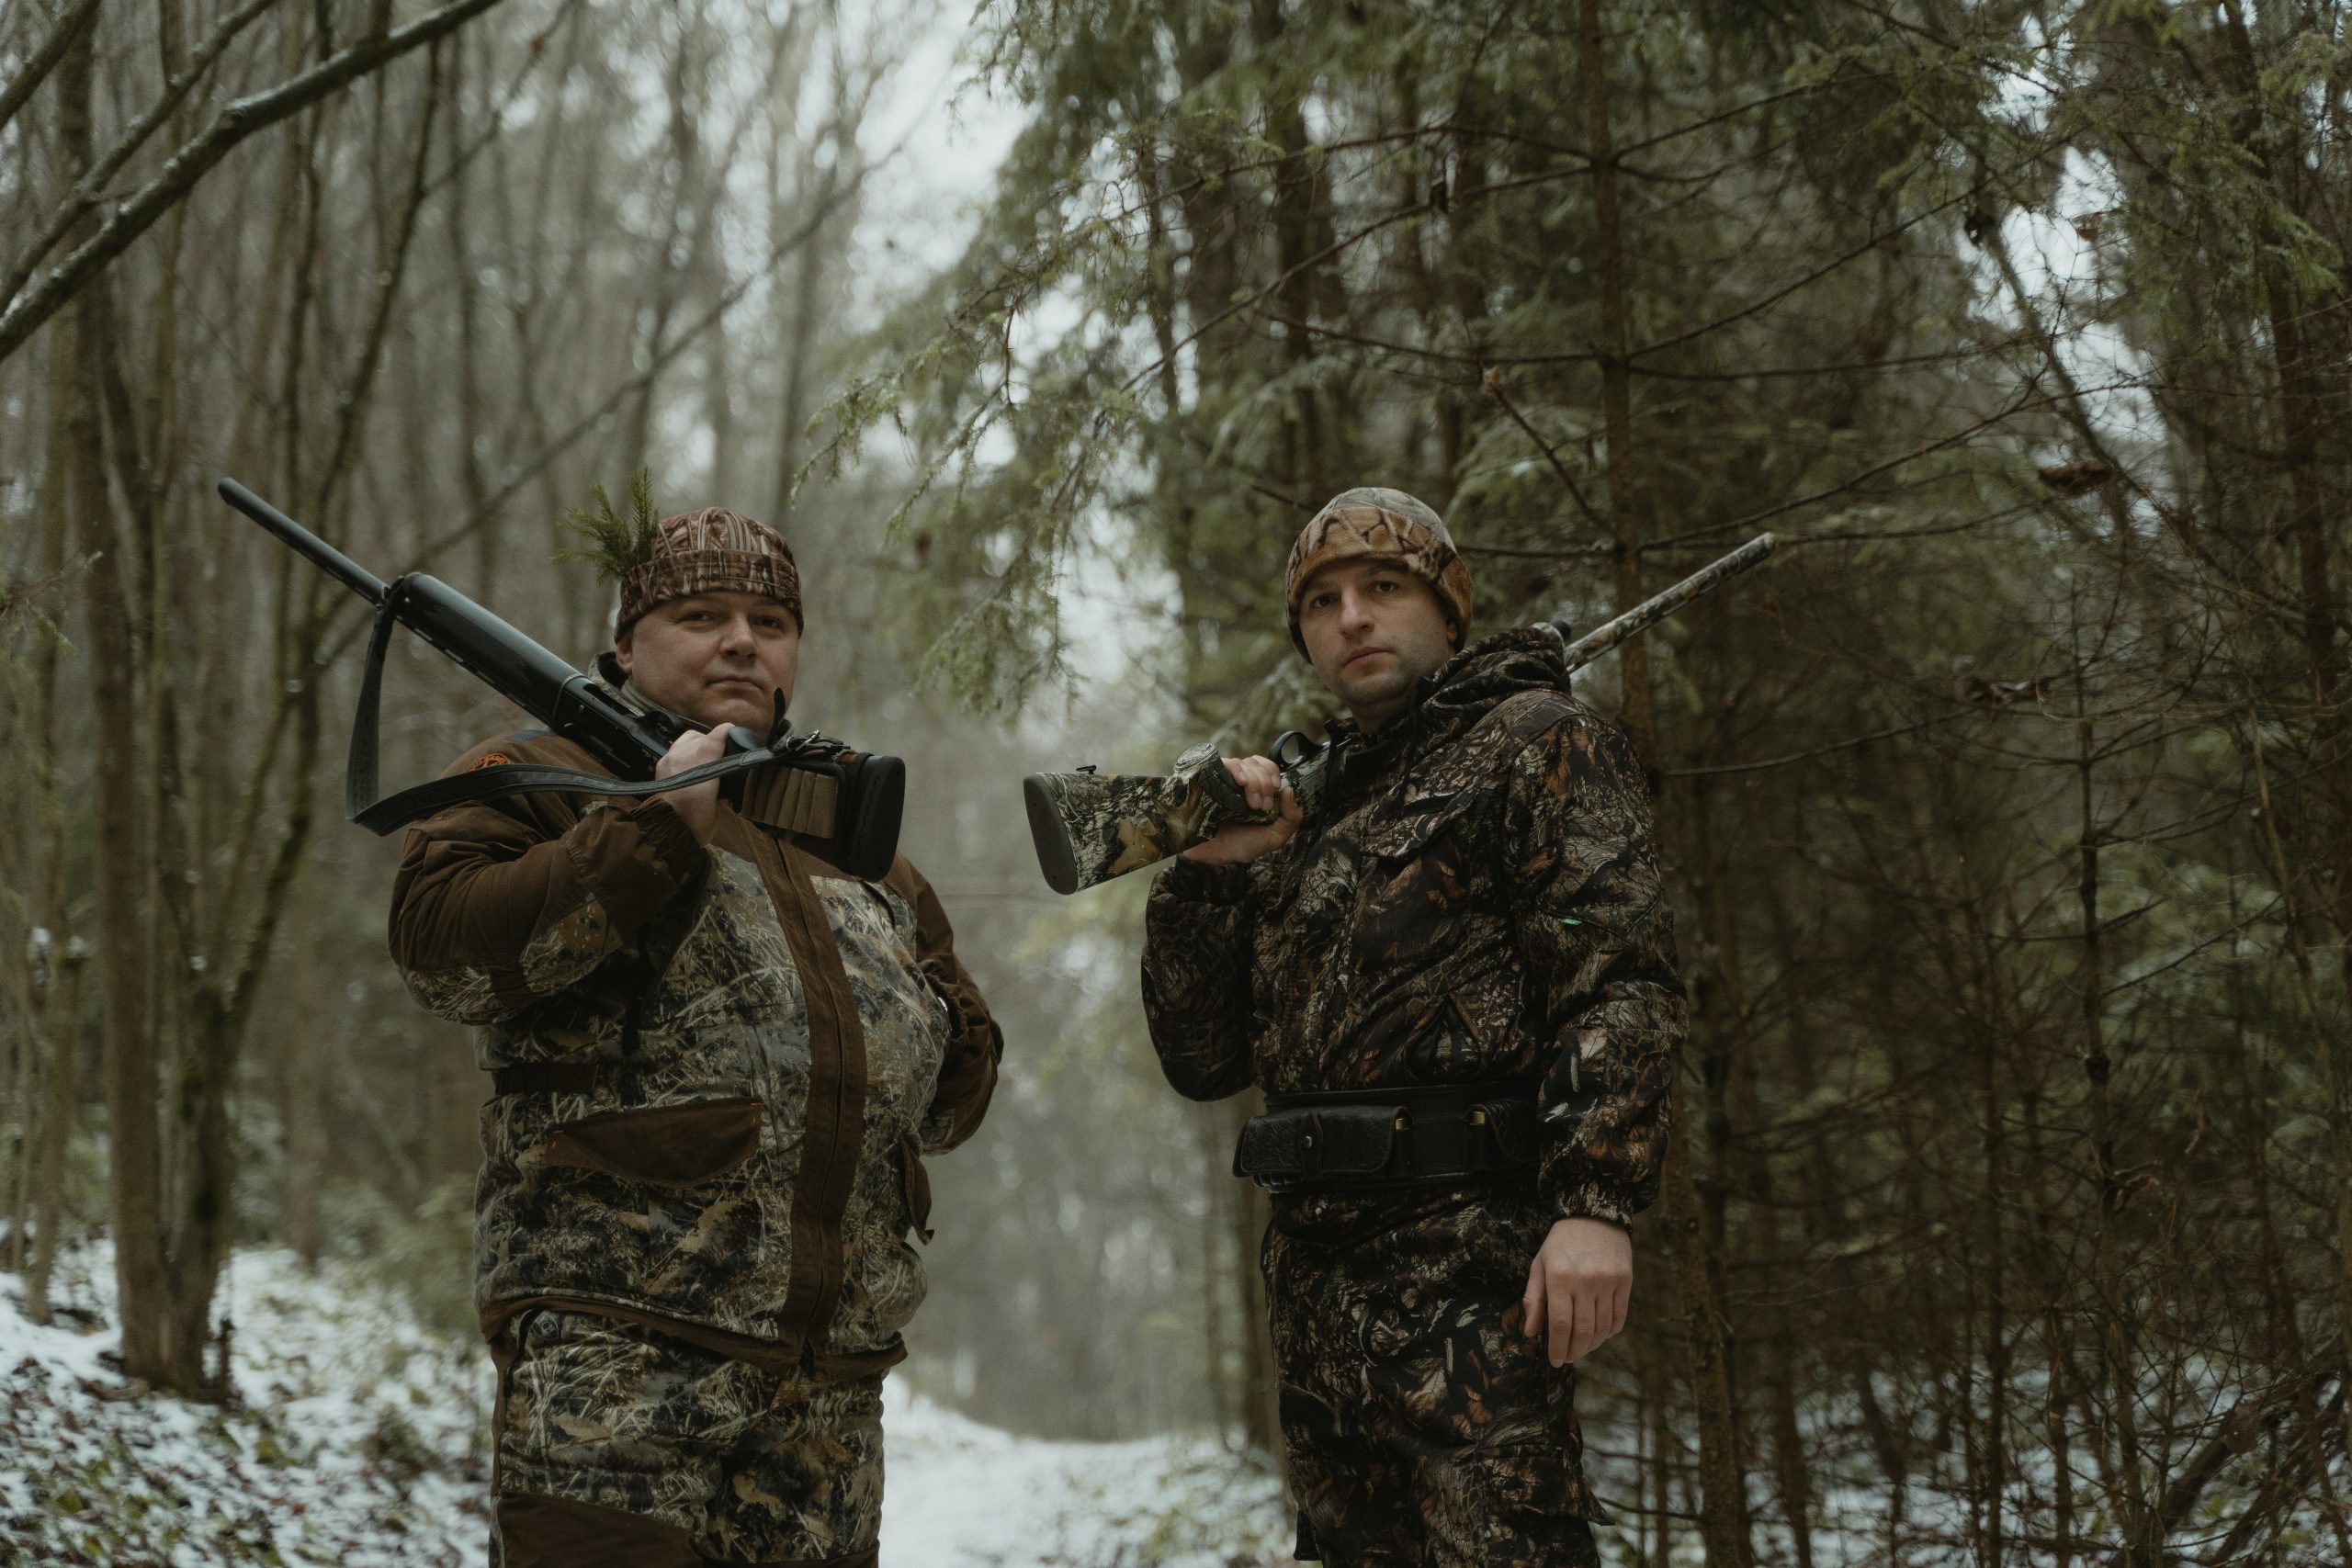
column 1423, row 1431
column 618, row 1445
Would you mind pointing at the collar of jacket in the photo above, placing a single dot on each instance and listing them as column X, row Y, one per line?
column 609, row 670
column 1450, row 699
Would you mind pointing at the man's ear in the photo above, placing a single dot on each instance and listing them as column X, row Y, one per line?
column 623, row 655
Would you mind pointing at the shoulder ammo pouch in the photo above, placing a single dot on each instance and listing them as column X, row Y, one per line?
column 1406, row 1136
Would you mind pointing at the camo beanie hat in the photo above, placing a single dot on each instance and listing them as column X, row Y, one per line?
column 1387, row 524
column 709, row 551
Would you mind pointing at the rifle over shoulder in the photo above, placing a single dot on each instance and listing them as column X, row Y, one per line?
column 1091, row 827
column 807, row 783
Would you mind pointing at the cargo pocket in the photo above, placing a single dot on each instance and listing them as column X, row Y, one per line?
column 671, row 1145
column 1405, row 827
column 917, row 1182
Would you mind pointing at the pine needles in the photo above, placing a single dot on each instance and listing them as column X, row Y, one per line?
column 613, row 544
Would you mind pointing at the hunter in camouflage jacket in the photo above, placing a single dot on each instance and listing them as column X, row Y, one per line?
column 1479, row 901
column 776, row 1045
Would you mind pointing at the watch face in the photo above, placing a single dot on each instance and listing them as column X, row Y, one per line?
column 1199, row 756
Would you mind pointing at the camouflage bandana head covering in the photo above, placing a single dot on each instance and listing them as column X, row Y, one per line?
column 710, row 551
column 1391, row 525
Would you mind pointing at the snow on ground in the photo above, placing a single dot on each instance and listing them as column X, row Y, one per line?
column 965, row 1493
column 357, row 1438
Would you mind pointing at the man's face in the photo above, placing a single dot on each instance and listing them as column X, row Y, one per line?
column 714, row 658
column 1371, row 630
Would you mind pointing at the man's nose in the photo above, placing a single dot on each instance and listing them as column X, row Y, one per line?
column 735, row 636
column 1355, row 610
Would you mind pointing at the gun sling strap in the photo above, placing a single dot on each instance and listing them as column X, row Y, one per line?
column 798, row 799
column 1360, row 1139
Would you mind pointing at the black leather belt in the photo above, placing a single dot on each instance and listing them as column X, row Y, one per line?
column 544, row 1077
column 1390, row 1137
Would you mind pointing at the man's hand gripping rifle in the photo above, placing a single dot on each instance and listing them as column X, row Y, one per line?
column 807, row 783
column 1091, row 827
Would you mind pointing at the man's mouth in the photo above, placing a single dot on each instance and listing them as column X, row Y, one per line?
column 1361, row 653
column 743, row 680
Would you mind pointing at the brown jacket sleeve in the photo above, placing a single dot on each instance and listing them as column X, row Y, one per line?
column 502, row 903
column 975, row 1043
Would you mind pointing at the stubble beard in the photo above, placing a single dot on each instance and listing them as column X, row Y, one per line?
column 693, row 698
column 735, row 705
column 1377, row 687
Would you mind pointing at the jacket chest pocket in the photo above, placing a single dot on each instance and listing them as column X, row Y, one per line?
column 1425, row 864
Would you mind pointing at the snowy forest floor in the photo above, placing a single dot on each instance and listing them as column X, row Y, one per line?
column 358, row 1438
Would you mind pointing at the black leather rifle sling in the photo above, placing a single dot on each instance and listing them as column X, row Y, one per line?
column 808, row 809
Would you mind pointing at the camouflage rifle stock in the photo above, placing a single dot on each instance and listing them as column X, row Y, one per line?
column 1091, row 827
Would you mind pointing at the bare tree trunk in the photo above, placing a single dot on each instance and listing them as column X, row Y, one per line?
column 2304, row 397
column 2143, row 1543
column 1990, row 1274
column 1697, row 1267
column 61, row 1038
column 124, row 943
column 72, row 27
column 1244, row 1219
column 1296, row 187
column 670, row 270
column 800, row 342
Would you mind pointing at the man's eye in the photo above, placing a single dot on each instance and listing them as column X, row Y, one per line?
column 1383, row 585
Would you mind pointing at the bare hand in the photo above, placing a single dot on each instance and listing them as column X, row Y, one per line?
column 1578, row 1285
column 1261, row 784
column 698, row 803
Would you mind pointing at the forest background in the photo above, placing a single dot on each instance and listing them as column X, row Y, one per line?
column 2010, row 813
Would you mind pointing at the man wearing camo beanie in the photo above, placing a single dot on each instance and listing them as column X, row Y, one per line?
column 1458, row 990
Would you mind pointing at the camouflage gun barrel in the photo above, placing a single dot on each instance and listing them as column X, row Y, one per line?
column 1651, row 611
column 1091, row 827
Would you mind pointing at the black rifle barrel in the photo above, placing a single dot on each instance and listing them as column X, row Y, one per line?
column 329, row 559
column 546, row 687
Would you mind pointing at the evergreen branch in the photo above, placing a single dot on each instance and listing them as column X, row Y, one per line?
column 612, row 544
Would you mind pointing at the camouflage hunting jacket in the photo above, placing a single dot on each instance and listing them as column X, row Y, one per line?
column 776, row 1045
column 1480, row 900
